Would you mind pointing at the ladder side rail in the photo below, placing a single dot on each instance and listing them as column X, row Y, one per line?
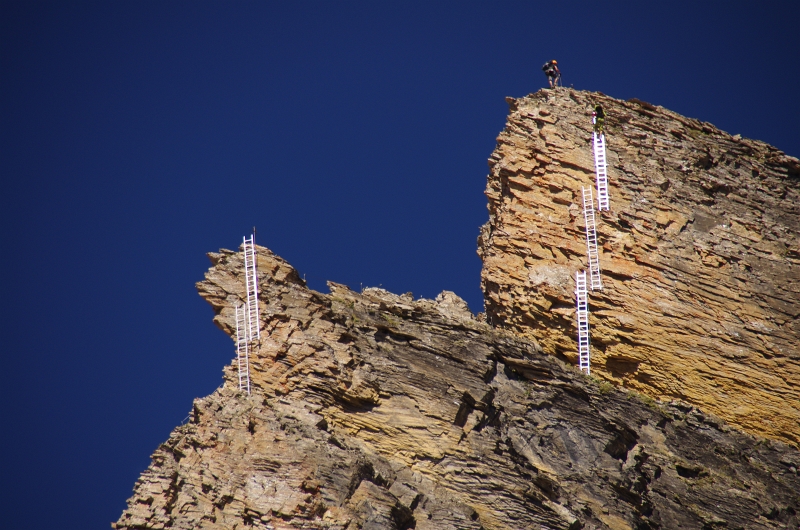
column 247, row 320
column 591, row 239
column 243, row 350
column 251, row 285
column 254, row 292
column 243, row 375
column 242, row 347
column 246, row 282
column 255, row 284
column 601, row 171
column 581, row 298
column 599, row 159
column 238, row 348
column 247, row 367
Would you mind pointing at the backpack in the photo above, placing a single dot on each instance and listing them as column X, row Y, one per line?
column 546, row 67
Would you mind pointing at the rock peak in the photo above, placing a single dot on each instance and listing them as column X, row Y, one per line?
column 377, row 411
column 700, row 254
column 371, row 410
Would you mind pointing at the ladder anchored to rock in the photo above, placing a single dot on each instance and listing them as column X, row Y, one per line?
column 247, row 320
column 592, row 254
column 600, row 168
column 242, row 348
column 251, row 284
column 582, row 313
column 591, row 240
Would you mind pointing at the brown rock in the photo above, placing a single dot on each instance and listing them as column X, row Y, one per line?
column 700, row 254
column 376, row 411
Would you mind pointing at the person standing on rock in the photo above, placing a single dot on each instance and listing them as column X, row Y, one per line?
column 599, row 116
column 552, row 72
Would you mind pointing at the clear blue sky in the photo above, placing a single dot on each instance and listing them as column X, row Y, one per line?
column 137, row 136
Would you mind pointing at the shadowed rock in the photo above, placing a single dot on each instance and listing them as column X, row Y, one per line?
column 699, row 254
column 372, row 410
column 376, row 411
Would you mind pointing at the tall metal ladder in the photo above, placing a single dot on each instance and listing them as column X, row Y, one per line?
column 243, row 347
column 591, row 240
column 251, row 284
column 582, row 303
column 599, row 143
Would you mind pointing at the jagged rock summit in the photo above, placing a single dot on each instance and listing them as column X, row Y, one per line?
column 699, row 254
column 378, row 411
column 372, row 410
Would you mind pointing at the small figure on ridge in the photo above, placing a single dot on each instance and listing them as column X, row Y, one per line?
column 552, row 72
column 599, row 119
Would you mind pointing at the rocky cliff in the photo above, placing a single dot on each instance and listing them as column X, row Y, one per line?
column 377, row 411
column 700, row 254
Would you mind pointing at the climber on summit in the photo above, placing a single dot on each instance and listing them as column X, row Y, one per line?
column 599, row 116
column 552, row 72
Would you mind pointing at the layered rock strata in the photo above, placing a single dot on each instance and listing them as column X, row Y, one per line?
column 699, row 253
column 377, row 411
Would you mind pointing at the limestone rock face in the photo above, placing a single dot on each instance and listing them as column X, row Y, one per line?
column 377, row 411
column 699, row 253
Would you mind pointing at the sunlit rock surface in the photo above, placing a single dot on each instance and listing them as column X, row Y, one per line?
column 377, row 411
column 700, row 254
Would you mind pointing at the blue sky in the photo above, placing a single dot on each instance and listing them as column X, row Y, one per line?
column 137, row 136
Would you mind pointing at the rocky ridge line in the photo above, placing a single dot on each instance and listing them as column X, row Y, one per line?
column 700, row 254
column 377, row 411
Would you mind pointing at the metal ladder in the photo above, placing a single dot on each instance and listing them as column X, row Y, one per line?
column 242, row 347
column 591, row 240
column 600, row 169
column 582, row 303
column 251, row 285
